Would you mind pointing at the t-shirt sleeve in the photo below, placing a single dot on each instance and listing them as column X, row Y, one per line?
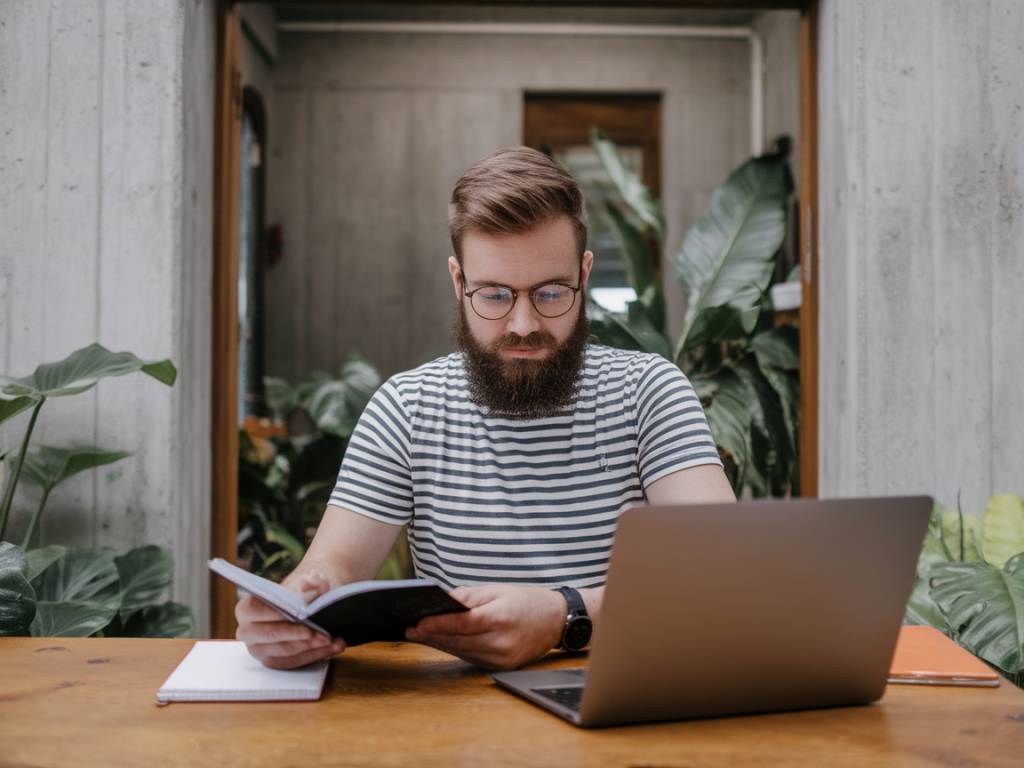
column 375, row 479
column 672, row 429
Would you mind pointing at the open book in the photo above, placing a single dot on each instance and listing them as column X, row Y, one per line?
column 357, row 613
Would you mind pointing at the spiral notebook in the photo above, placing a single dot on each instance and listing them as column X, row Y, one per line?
column 223, row 670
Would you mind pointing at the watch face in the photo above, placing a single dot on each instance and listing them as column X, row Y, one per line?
column 577, row 633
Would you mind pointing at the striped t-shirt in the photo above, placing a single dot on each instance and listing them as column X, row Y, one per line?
column 526, row 502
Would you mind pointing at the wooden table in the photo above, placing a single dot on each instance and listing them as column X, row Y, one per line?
column 91, row 702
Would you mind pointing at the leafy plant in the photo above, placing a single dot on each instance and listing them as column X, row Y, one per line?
column 745, row 371
column 56, row 591
column 970, row 582
column 285, row 481
column 61, row 592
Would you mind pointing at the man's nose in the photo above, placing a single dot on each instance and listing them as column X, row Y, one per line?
column 523, row 319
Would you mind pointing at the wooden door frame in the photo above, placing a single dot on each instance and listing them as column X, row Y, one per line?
column 224, row 437
column 224, row 352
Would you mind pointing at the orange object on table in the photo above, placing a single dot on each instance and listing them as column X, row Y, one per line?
column 925, row 656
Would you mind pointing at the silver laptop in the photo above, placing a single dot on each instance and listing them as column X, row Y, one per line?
column 741, row 608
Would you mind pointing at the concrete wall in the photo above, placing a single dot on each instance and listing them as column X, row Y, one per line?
column 371, row 131
column 921, row 126
column 106, row 114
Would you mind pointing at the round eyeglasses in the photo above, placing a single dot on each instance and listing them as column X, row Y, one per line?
column 493, row 302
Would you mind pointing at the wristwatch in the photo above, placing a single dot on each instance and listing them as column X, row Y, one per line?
column 578, row 626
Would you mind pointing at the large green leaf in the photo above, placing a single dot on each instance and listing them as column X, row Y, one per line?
column 17, row 603
column 778, row 347
column 17, row 598
column 46, row 466
column 80, row 371
column 80, row 575
column 921, row 607
column 165, row 620
column 962, row 532
column 728, row 256
column 773, row 459
column 715, row 324
column 633, row 191
column 79, row 618
column 1003, row 528
column 638, row 326
column 985, row 608
column 11, row 408
column 276, row 534
column 640, row 274
column 12, row 557
column 41, row 558
column 145, row 574
column 334, row 405
column 729, row 416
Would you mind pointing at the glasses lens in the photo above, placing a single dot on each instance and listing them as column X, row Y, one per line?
column 553, row 300
column 492, row 302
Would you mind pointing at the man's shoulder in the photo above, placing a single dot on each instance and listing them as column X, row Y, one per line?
column 434, row 373
column 602, row 359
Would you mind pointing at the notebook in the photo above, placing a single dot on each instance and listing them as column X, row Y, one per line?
column 925, row 656
column 223, row 670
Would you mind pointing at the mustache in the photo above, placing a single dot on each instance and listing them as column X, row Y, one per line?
column 534, row 340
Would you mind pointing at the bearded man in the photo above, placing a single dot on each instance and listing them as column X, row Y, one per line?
column 511, row 459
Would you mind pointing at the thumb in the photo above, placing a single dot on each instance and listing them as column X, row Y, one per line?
column 313, row 584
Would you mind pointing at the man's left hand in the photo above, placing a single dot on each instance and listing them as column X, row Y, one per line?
column 505, row 627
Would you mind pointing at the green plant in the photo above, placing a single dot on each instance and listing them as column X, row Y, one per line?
column 56, row 591
column 65, row 592
column 745, row 371
column 285, row 481
column 970, row 582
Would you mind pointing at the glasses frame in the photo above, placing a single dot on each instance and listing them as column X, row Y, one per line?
column 515, row 296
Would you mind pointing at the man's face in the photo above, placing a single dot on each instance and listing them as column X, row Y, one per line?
column 524, row 363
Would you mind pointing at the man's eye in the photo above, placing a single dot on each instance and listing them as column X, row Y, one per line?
column 551, row 293
column 495, row 295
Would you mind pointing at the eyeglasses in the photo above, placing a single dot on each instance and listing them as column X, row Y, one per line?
column 493, row 302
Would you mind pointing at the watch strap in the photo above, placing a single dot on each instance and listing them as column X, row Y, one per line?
column 575, row 600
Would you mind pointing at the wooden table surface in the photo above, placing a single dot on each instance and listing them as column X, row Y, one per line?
column 91, row 702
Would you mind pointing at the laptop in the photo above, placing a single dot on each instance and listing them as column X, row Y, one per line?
column 731, row 609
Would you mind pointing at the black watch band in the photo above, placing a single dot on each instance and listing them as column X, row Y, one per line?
column 578, row 627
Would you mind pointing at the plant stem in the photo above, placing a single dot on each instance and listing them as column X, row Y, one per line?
column 35, row 519
column 5, row 508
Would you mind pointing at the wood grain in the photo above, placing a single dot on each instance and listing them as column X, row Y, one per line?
column 224, row 410
column 809, row 249
column 92, row 702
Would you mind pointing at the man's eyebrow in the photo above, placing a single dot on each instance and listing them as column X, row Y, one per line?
column 564, row 279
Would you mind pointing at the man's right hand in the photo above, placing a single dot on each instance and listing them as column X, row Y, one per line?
column 279, row 643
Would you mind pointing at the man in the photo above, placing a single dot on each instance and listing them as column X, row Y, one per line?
column 512, row 459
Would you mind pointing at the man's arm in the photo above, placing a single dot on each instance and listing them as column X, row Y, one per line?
column 347, row 547
column 508, row 626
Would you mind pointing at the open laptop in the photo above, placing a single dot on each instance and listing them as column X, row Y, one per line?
column 742, row 608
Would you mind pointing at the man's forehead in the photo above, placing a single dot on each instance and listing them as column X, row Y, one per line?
column 547, row 253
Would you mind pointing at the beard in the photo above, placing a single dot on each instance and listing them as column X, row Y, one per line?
column 518, row 388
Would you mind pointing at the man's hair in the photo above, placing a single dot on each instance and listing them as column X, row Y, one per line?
column 512, row 191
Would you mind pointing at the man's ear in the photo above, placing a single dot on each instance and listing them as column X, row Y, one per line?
column 456, row 273
column 585, row 266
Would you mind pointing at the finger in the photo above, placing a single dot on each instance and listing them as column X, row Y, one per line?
column 250, row 609
column 472, row 622
column 300, row 659
column 292, row 648
column 312, row 585
column 274, row 632
column 459, row 644
column 473, row 597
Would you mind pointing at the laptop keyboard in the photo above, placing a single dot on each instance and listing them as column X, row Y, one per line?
column 567, row 697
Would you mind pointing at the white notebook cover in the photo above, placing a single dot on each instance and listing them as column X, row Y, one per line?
column 223, row 670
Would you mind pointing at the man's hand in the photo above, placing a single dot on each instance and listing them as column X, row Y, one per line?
column 277, row 642
column 506, row 626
